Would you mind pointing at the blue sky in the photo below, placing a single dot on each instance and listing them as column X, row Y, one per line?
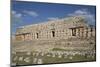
column 25, row 13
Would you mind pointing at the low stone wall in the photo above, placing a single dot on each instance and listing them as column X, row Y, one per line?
column 47, row 45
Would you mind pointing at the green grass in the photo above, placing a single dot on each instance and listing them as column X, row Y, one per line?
column 59, row 49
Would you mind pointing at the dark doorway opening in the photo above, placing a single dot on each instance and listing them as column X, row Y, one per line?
column 73, row 32
column 53, row 33
column 37, row 34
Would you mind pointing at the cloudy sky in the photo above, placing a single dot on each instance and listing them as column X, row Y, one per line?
column 25, row 13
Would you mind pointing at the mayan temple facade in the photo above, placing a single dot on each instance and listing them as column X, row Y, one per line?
column 72, row 27
column 66, row 32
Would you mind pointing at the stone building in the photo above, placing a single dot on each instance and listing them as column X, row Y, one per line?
column 65, row 28
column 65, row 39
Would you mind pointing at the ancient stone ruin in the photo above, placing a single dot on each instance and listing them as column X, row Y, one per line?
column 64, row 40
column 71, row 33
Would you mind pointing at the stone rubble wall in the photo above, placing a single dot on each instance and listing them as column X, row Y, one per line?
column 60, row 28
column 68, row 33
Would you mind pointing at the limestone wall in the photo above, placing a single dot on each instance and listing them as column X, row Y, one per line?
column 65, row 28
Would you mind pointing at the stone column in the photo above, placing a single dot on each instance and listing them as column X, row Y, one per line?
column 79, row 32
column 56, row 34
column 70, row 32
column 33, row 36
column 86, row 32
column 82, row 32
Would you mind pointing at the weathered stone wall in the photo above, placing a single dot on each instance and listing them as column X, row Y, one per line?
column 69, row 33
column 63, row 39
column 57, row 29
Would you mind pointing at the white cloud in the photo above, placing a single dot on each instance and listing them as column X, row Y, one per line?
column 16, row 14
column 16, row 17
column 13, row 12
column 86, row 14
column 25, row 12
column 53, row 18
column 81, row 12
column 30, row 13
